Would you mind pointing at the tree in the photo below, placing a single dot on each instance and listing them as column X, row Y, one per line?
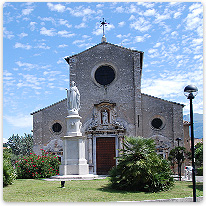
column 199, row 154
column 177, row 156
column 140, row 168
column 21, row 145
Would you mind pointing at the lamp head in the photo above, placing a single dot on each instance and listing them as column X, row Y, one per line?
column 190, row 91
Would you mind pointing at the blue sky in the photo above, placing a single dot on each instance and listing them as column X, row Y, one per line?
column 37, row 36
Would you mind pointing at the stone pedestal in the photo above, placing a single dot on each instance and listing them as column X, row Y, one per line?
column 74, row 162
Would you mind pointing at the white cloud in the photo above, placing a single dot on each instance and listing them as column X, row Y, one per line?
column 132, row 17
column 82, row 43
column 64, row 22
column 195, row 18
column 163, row 86
column 47, row 32
column 195, row 7
column 150, row 51
column 119, row 9
column 196, row 42
column 78, row 41
column 27, row 11
column 60, row 61
column 200, row 57
column 100, row 5
column 47, row 19
column 63, row 45
column 26, row 65
column 32, row 25
column 56, row 7
column 23, row 46
column 146, row 4
column 30, row 81
column 7, row 34
column 65, row 33
column 123, row 36
column 133, row 9
column 177, row 14
column 80, row 11
column 157, row 44
column 51, row 73
column 150, row 12
column 20, row 120
column 7, row 76
column 86, row 37
column 22, row 35
column 141, row 38
column 161, row 17
column 42, row 46
column 141, row 24
column 121, row 24
column 82, row 25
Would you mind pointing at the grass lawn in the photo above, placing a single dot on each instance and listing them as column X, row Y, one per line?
column 29, row 190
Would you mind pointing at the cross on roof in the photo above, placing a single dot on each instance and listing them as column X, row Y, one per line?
column 103, row 23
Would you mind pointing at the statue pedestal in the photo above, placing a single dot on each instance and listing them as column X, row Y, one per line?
column 73, row 162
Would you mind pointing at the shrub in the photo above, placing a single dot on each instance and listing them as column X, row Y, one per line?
column 199, row 154
column 9, row 174
column 35, row 166
column 140, row 168
column 199, row 171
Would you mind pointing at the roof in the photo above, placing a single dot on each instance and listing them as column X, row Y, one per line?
column 48, row 106
column 163, row 99
column 68, row 57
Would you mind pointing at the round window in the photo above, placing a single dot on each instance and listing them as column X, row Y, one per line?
column 157, row 123
column 56, row 127
column 104, row 75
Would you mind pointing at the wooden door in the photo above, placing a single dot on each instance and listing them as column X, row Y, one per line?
column 105, row 153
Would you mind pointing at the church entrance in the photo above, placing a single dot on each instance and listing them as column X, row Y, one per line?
column 105, row 153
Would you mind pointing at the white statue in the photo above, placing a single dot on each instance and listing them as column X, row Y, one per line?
column 73, row 97
column 104, row 117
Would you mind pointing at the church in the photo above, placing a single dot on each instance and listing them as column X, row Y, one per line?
column 112, row 107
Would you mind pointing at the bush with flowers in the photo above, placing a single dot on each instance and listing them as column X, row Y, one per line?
column 35, row 166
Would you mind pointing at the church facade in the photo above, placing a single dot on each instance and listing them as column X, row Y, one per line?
column 108, row 78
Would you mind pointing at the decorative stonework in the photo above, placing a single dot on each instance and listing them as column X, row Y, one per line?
column 104, row 120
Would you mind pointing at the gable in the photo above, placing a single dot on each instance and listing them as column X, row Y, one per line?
column 71, row 59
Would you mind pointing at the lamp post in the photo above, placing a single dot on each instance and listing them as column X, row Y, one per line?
column 190, row 92
column 178, row 154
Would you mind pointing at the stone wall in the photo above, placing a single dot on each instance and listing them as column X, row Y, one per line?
column 124, row 90
column 44, row 119
column 133, row 111
column 172, row 120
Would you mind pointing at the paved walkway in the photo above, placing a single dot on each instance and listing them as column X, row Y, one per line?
column 197, row 178
column 186, row 199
